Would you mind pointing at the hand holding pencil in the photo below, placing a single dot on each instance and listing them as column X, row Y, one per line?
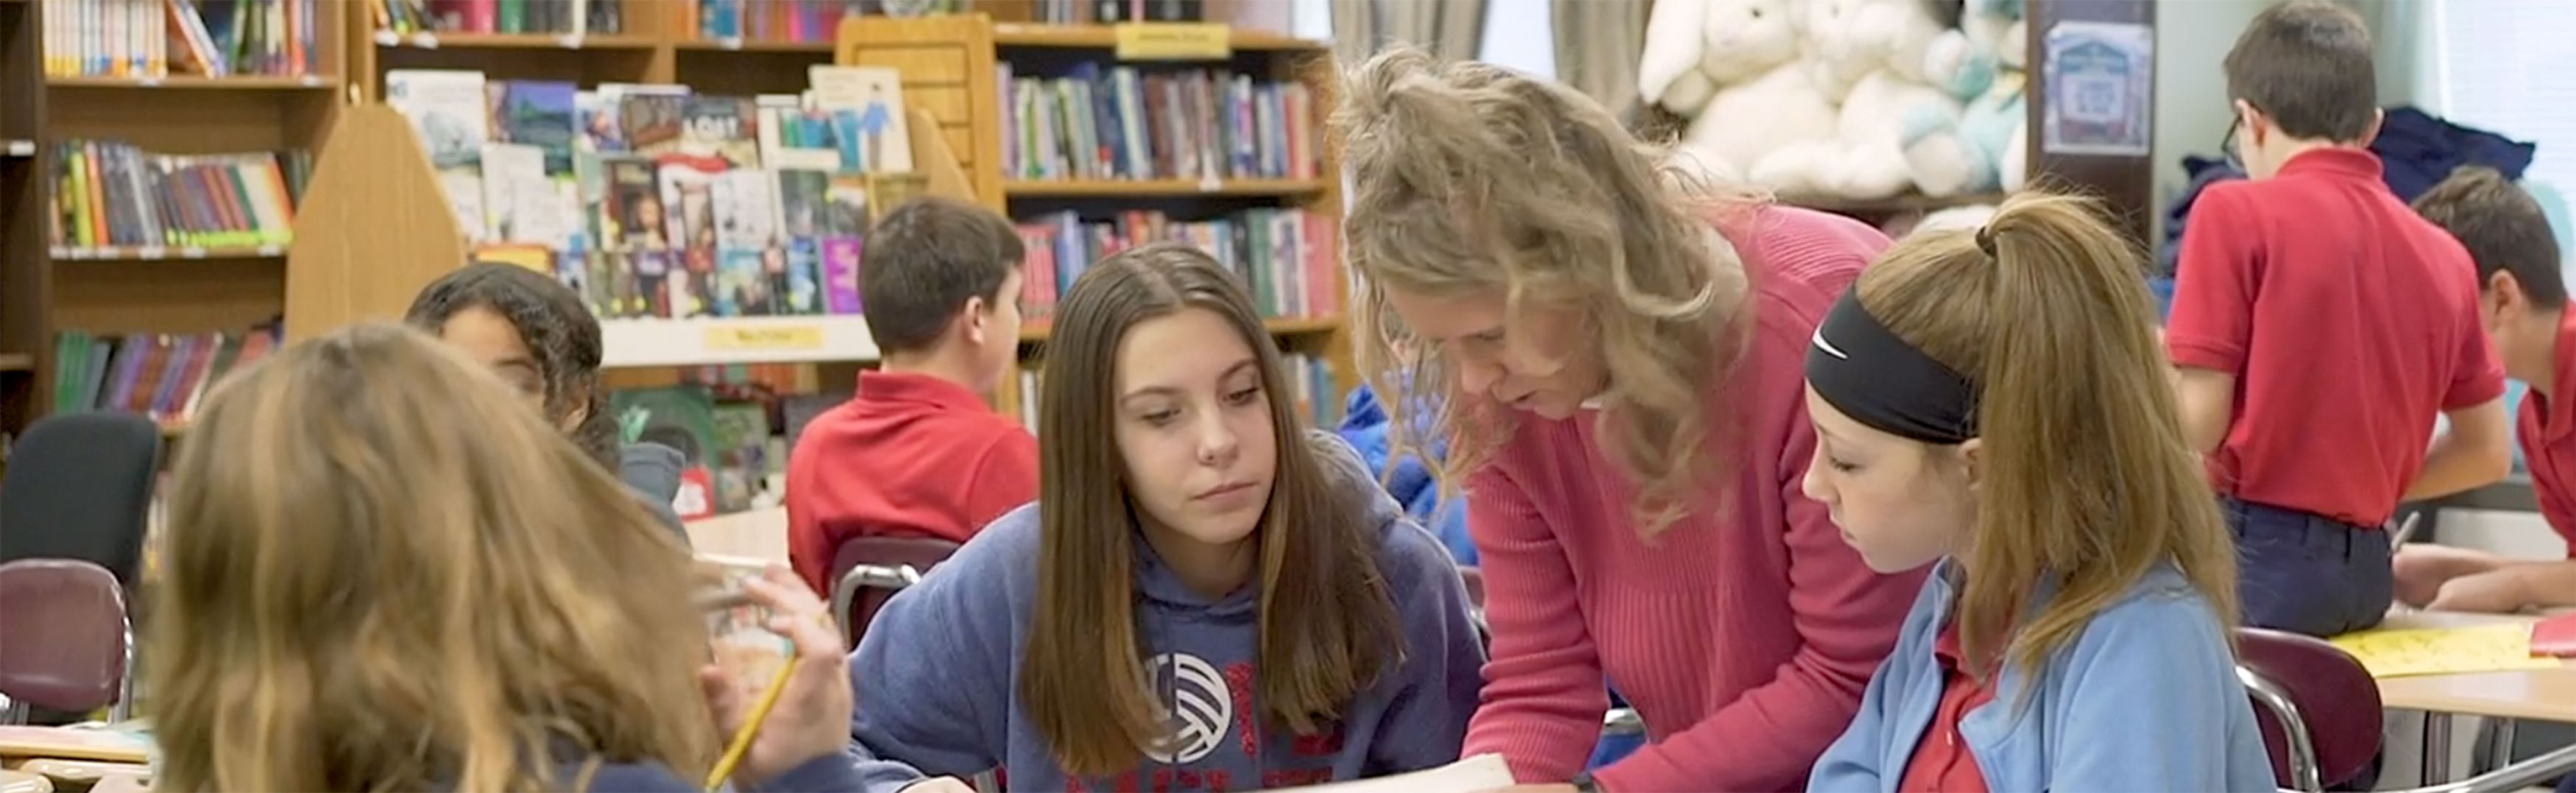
column 802, row 714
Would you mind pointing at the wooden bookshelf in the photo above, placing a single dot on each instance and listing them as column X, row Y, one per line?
column 47, row 288
column 958, row 56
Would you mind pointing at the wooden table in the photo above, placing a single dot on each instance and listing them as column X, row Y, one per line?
column 2536, row 694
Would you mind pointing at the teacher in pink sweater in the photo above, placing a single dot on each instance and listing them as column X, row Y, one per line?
column 1623, row 357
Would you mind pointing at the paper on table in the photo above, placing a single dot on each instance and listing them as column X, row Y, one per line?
column 1472, row 775
column 2443, row 651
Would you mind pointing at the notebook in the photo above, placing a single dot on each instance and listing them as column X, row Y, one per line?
column 2555, row 637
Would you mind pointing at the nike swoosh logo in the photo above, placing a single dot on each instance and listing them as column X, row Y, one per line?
column 1828, row 346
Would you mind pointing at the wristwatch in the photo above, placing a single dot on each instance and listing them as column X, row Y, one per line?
column 1583, row 783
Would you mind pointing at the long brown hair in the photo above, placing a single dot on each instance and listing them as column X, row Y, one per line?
column 1327, row 621
column 1472, row 178
column 2085, row 481
column 387, row 572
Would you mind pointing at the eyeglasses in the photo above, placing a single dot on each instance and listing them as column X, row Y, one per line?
column 2227, row 146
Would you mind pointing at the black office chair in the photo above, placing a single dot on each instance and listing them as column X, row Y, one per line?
column 79, row 486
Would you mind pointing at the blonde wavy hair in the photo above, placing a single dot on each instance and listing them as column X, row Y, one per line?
column 1470, row 178
column 2085, row 482
column 386, row 572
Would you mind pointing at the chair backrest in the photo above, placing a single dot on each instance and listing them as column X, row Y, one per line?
column 79, row 486
column 2318, row 707
column 866, row 571
column 67, row 634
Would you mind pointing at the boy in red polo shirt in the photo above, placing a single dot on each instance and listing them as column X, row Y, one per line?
column 2318, row 326
column 2524, row 298
column 917, row 453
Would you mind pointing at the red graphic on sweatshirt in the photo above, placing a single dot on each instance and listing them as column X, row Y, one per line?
column 1239, row 681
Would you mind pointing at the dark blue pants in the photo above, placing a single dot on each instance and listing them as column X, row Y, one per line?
column 2306, row 573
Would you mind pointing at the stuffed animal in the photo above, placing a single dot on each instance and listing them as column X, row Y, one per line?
column 1984, row 149
column 1988, row 41
column 1733, row 66
column 1846, row 40
column 1979, row 150
column 1864, row 159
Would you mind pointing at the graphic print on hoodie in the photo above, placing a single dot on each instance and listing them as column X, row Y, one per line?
column 937, row 675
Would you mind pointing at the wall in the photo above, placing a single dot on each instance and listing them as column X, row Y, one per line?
column 2192, row 114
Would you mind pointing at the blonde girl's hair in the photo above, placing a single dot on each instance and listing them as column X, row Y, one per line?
column 387, row 572
column 1328, row 625
column 1469, row 179
column 2085, row 481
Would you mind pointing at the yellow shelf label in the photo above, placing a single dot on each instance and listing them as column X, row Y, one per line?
column 776, row 337
column 1175, row 41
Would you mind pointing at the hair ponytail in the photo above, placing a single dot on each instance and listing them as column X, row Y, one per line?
column 2085, row 481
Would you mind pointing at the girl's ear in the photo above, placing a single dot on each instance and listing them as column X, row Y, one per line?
column 1969, row 451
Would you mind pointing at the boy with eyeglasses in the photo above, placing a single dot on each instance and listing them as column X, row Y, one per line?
column 2319, row 325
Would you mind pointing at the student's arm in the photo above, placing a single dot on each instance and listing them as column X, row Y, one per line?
column 1544, row 694
column 932, row 676
column 2216, row 279
column 1847, row 618
column 2478, row 448
column 1854, row 761
column 809, row 547
column 1427, row 722
column 2475, row 452
column 1004, row 479
column 2150, row 701
column 2511, row 588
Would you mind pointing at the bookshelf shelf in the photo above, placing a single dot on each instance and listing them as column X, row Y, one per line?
column 822, row 48
column 1134, row 188
column 18, row 148
column 634, row 343
column 17, row 362
column 168, row 253
column 196, row 83
column 515, row 41
column 1104, row 37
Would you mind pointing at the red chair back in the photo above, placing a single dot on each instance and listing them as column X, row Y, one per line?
column 2311, row 699
column 866, row 571
column 65, row 621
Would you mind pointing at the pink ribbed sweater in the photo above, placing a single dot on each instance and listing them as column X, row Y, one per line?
column 1744, row 638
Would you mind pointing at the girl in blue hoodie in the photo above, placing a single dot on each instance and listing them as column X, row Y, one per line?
column 1993, row 403
column 1205, row 596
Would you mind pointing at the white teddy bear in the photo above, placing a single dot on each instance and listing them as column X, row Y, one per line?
column 1869, row 40
column 1732, row 65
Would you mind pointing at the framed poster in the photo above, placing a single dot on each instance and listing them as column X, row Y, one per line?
column 2100, row 89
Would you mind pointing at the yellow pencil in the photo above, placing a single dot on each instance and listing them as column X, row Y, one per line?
column 750, row 727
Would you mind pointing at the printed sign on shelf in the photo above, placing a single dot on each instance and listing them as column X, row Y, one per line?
column 773, row 337
column 1175, row 41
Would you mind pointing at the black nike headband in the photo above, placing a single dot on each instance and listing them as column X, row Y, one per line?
column 1877, row 379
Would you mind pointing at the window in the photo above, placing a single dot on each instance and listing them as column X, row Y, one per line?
column 2503, row 66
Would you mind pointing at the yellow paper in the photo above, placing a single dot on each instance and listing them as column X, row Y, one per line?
column 2444, row 651
column 785, row 337
column 1175, row 41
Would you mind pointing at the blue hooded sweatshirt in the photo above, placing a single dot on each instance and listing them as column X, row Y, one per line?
column 937, row 674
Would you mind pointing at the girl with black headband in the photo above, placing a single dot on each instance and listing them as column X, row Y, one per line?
column 1992, row 404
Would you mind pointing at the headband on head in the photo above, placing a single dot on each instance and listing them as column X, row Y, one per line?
column 1877, row 379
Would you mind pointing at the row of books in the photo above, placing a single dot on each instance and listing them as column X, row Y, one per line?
column 111, row 193
column 163, row 376
column 1284, row 256
column 803, row 21
column 1318, row 397
column 1126, row 123
column 1086, row 12
column 575, row 17
column 657, row 201
column 158, row 38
